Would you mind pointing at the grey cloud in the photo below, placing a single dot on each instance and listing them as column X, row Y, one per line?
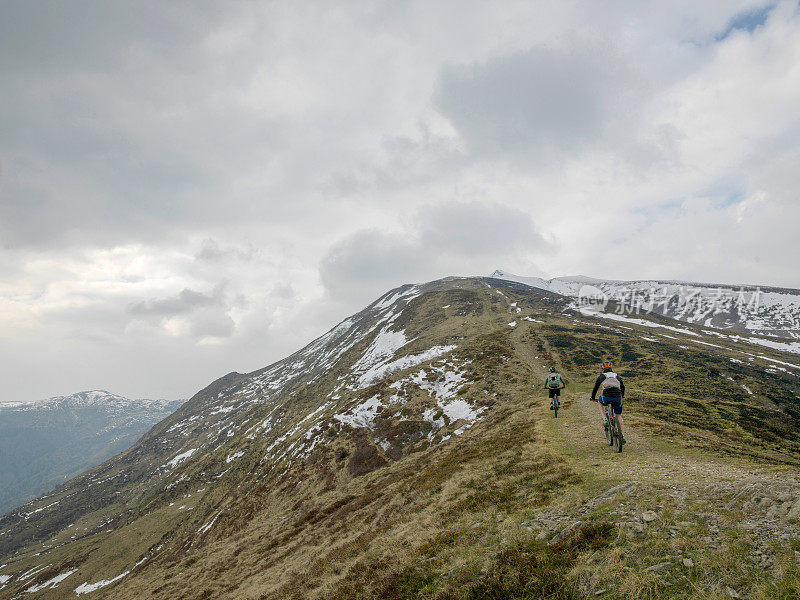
column 283, row 291
column 444, row 239
column 369, row 260
column 543, row 101
column 212, row 323
column 206, row 315
column 407, row 161
column 123, row 121
column 51, row 36
column 146, row 128
column 213, row 251
column 185, row 302
column 469, row 229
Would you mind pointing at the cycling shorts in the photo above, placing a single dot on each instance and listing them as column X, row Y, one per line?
column 554, row 392
column 615, row 402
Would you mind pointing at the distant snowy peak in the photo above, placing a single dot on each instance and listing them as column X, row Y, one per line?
column 89, row 398
column 749, row 308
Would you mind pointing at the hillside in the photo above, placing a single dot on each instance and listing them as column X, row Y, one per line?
column 767, row 311
column 44, row 443
column 409, row 453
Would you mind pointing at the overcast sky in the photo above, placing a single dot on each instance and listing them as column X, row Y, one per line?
column 191, row 188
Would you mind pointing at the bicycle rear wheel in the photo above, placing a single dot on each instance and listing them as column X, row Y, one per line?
column 609, row 426
column 555, row 408
column 617, row 437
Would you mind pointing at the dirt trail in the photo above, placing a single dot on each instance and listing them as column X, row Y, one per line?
column 652, row 462
column 675, row 508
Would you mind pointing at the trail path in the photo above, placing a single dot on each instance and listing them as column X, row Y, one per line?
column 656, row 473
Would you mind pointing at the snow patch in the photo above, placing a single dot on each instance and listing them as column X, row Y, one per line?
column 86, row 587
column 382, row 371
column 210, row 524
column 229, row 459
column 51, row 583
column 444, row 389
column 179, row 459
column 589, row 312
column 361, row 415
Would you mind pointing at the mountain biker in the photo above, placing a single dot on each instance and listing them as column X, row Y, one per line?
column 613, row 391
column 554, row 384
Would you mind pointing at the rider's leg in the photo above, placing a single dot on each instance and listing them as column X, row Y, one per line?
column 602, row 412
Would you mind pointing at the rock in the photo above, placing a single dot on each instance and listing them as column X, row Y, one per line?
column 731, row 592
column 688, row 563
column 566, row 531
column 774, row 512
column 658, row 567
column 638, row 526
column 649, row 516
column 600, row 592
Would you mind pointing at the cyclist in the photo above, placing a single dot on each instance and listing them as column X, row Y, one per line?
column 554, row 384
column 613, row 391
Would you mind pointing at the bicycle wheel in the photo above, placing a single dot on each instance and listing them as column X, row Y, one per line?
column 555, row 408
column 609, row 429
column 617, row 437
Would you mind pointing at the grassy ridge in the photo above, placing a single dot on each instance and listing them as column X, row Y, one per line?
column 516, row 506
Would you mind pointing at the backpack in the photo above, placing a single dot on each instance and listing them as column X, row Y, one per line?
column 611, row 382
column 554, row 381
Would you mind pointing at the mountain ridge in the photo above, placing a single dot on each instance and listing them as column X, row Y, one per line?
column 409, row 430
column 770, row 311
column 503, row 274
column 43, row 442
column 85, row 398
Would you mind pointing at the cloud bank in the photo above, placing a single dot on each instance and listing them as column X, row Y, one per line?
column 196, row 188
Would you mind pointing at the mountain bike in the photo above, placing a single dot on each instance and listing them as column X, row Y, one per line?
column 556, row 400
column 613, row 434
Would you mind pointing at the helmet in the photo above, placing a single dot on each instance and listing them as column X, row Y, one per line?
column 607, row 366
column 552, row 369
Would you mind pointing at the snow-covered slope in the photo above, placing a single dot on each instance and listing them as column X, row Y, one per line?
column 751, row 309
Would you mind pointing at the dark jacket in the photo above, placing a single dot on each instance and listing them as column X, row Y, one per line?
column 610, row 392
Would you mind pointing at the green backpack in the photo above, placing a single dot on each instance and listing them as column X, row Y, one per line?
column 554, row 381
